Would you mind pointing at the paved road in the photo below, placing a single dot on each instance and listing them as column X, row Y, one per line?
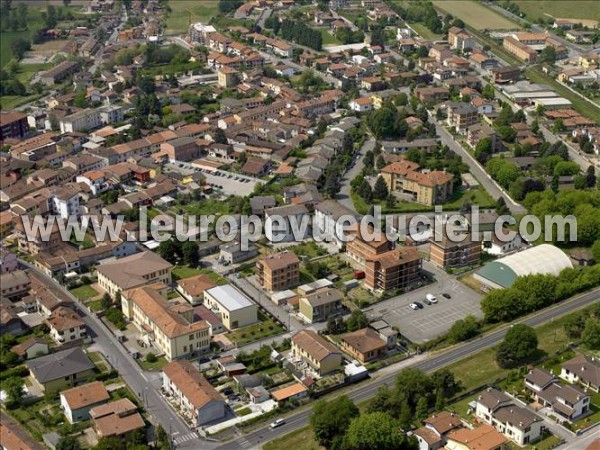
column 343, row 196
column 143, row 385
column 478, row 171
column 368, row 389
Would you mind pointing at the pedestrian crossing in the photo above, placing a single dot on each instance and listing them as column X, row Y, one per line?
column 244, row 443
column 184, row 438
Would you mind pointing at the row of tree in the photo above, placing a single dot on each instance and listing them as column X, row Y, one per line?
column 301, row 34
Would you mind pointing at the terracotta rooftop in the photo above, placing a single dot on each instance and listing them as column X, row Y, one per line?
column 191, row 383
column 86, row 395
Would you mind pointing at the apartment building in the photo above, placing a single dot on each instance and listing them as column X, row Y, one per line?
column 66, row 326
column 446, row 253
column 516, row 422
column 278, row 271
column 282, row 221
column 227, row 77
column 394, row 269
column 322, row 356
column 182, row 149
column 133, row 271
column 171, row 328
column 521, row 50
column 460, row 39
column 328, row 220
column 320, row 305
column 193, row 393
column 85, row 120
column 13, row 125
column 429, row 188
column 461, row 116
column 233, row 308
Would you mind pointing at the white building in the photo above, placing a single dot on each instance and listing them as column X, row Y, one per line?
column 64, row 202
column 361, row 104
column 66, row 326
column 287, row 223
column 199, row 32
column 192, row 393
column 234, row 308
column 517, row 423
column 96, row 180
column 88, row 119
column 328, row 220
column 78, row 401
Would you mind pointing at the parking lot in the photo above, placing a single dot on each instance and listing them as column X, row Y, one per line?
column 433, row 320
column 228, row 182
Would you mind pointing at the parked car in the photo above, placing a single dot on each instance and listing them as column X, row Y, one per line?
column 431, row 298
column 277, row 423
column 414, row 306
column 419, row 305
column 427, row 302
column 448, row 296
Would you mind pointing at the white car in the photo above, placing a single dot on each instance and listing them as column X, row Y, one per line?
column 414, row 306
column 431, row 298
column 277, row 423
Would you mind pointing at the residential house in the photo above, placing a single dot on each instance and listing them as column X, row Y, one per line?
column 296, row 391
column 322, row 356
column 197, row 398
column 584, row 370
column 429, row 188
column 234, row 308
column 192, row 288
column 484, row 437
column 283, row 223
column 14, row 285
column 66, row 326
column 365, row 345
column 320, row 305
column 56, row 371
column 278, row 271
column 31, row 348
column 78, row 401
column 14, row 436
column 117, row 418
column 433, row 434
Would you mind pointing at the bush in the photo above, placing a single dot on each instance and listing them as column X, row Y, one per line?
column 151, row 358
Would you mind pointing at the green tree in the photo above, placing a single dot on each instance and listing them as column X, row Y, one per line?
column 596, row 251
column 106, row 301
column 443, row 381
column 190, row 253
column 558, row 126
column 483, row 150
column 374, row 431
column 464, row 329
column 357, row 320
column 590, row 176
column 380, row 190
column 68, row 442
column 330, row 419
column 519, row 344
column 591, row 334
column 422, row 408
column 15, row 389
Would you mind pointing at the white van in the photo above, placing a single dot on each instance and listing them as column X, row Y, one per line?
column 277, row 423
column 431, row 298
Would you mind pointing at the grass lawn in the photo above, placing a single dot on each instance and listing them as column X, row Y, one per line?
column 180, row 272
column 12, row 101
column 302, row 439
column 255, row 332
column 155, row 366
column 182, row 11
column 573, row 9
column 328, row 38
column 84, row 292
column 582, row 106
column 475, row 14
column 95, row 305
column 310, row 249
column 29, row 70
column 425, row 32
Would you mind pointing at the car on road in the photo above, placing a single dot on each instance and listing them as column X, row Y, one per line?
column 448, row 296
column 414, row 306
column 277, row 423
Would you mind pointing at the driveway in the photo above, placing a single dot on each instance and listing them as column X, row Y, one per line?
column 433, row 320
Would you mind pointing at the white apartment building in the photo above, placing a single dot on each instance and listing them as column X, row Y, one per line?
column 329, row 221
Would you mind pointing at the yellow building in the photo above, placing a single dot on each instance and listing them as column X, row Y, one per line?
column 133, row 271
column 234, row 308
column 58, row 371
column 318, row 353
column 427, row 188
column 170, row 327
column 318, row 306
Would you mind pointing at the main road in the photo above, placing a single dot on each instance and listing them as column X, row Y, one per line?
column 432, row 363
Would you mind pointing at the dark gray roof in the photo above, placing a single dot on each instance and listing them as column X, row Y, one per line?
column 518, row 416
column 491, row 398
column 540, row 377
column 59, row 365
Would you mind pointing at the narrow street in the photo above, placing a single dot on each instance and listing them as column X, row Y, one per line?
column 343, row 196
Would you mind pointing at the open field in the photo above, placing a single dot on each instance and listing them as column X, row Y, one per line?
column 328, row 38
column 12, row 101
column 182, row 11
column 475, row 14
column 573, row 9
column 425, row 32
column 302, row 439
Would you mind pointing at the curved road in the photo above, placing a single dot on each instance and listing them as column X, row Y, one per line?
column 368, row 389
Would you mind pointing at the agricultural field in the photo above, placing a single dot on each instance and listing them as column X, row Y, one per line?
column 574, row 9
column 183, row 11
column 475, row 14
column 425, row 32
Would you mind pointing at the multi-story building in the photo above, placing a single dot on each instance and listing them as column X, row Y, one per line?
column 13, row 125
column 320, row 305
column 198, row 32
column 284, row 223
column 433, row 434
column 584, row 370
column 14, row 285
column 133, row 271
column 227, row 77
column 59, row 73
column 328, row 220
column 182, row 149
column 521, row 50
column 78, row 401
column 278, row 271
column 429, row 188
column 461, row 116
column 193, row 393
column 322, row 356
column 447, row 253
column 460, row 39
column 364, row 344
column 66, row 326
column 234, row 308
column 171, row 329
column 514, row 421
column 60, row 370
column 118, row 418
column 395, row 269
column 502, row 75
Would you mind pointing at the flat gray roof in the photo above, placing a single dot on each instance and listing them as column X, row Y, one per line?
column 230, row 297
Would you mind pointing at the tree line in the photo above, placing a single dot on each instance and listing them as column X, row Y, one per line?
column 301, row 34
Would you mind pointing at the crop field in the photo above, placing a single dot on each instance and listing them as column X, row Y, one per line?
column 475, row 14
column 182, row 11
column 564, row 9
